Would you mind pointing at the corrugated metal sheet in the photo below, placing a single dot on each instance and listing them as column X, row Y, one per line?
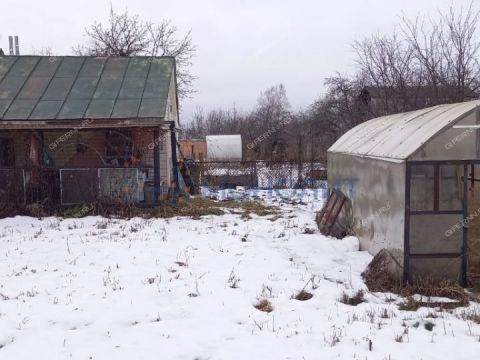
column 76, row 87
column 396, row 137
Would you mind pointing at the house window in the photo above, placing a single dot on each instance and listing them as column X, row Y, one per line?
column 7, row 152
column 119, row 146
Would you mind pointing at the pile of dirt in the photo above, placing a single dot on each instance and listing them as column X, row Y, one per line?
column 377, row 275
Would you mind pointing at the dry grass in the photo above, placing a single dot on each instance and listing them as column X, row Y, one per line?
column 430, row 288
column 193, row 207
column 303, row 296
column 38, row 210
column 378, row 279
column 264, row 305
column 409, row 305
column 470, row 314
column 8, row 209
column 197, row 207
column 357, row 298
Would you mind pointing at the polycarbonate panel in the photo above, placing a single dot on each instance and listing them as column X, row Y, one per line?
column 421, row 188
column 47, row 66
column 83, row 88
column 156, row 87
column 46, row 110
column 70, row 67
column 5, row 64
column 151, row 107
column 20, row 110
column 450, row 188
column 4, row 104
column 108, row 88
column 436, row 269
column 433, row 234
column 126, row 109
column 24, row 66
column 58, row 88
column 160, row 67
column 138, row 68
column 10, row 86
column 116, row 67
column 397, row 137
column 73, row 109
column 132, row 88
column 33, row 88
column 92, row 67
column 79, row 87
column 100, row 109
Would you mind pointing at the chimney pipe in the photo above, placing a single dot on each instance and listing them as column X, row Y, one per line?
column 10, row 44
column 17, row 46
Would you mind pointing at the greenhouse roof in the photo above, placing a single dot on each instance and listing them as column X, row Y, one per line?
column 397, row 137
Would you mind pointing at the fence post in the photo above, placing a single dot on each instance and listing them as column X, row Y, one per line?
column 300, row 159
column 173, row 140
column 24, row 188
column 156, row 164
column 311, row 174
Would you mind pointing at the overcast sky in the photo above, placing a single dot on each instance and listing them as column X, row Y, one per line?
column 243, row 46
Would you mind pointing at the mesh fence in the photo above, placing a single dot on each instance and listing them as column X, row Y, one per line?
column 259, row 174
column 132, row 185
column 73, row 186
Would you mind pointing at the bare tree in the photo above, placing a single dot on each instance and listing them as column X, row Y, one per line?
column 387, row 66
column 127, row 35
column 460, row 47
column 447, row 51
column 271, row 117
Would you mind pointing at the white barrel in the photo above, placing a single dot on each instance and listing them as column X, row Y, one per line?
column 224, row 147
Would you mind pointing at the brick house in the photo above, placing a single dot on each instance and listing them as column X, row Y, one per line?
column 77, row 129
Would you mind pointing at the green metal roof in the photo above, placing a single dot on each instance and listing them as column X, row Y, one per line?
column 78, row 87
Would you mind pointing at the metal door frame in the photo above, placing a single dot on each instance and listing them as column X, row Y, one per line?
column 435, row 211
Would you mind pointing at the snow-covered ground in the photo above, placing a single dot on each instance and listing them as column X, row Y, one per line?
column 179, row 288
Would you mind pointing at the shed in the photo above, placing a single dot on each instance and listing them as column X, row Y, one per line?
column 412, row 180
column 76, row 129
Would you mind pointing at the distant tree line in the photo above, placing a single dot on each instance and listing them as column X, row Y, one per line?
column 423, row 62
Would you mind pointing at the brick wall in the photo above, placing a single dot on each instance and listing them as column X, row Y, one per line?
column 195, row 149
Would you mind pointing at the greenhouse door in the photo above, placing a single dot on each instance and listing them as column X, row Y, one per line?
column 436, row 221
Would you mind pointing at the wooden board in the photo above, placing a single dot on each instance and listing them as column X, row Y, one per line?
column 327, row 217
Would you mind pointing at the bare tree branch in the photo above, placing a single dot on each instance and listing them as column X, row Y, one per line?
column 127, row 35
